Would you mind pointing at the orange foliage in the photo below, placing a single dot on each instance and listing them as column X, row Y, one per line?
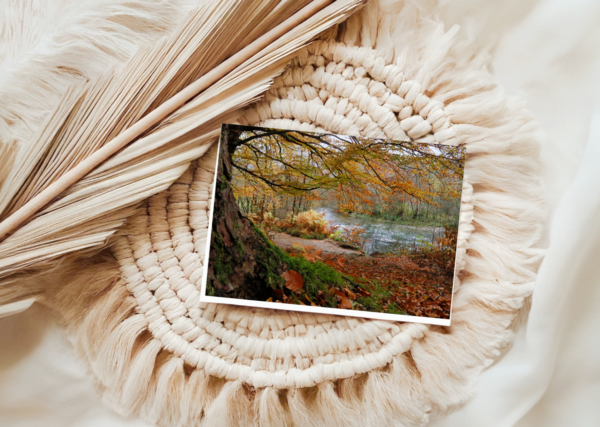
column 356, row 235
column 359, row 173
column 309, row 223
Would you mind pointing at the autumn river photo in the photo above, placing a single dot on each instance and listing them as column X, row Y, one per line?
column 335, row 221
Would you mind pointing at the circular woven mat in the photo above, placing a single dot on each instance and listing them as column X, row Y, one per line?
column 156, row 352
column 262, row 364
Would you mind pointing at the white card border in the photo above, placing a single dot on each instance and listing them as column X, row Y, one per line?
column 305, row 308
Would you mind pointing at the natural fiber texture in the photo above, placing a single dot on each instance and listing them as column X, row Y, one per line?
column 47, row 46
column 91, row 113
column 48, row 52
column 132, row 311
column 156, row 352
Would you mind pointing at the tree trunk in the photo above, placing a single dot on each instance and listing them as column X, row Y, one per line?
column 242, row 263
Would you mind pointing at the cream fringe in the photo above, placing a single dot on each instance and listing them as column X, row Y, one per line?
column 48, row 45
column 407, row 374
column 49, row 49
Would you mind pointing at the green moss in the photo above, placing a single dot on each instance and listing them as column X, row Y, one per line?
column 270, row 259
column 394, row 309
column 222, row 263
column 223, row 184
column 313, row 236
column 317, row 275
column 378, row 294
column 239, row 246
column 259, row 231
column 210, row 290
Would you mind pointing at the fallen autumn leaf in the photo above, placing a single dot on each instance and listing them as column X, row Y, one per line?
column 293, row 280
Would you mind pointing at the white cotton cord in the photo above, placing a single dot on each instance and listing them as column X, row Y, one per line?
column 354, row 91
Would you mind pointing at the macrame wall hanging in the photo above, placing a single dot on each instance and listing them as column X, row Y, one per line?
column 132, row 310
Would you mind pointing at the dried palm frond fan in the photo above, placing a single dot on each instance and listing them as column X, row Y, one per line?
column 118, row 253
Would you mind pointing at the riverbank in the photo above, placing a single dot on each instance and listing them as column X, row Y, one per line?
column 293, row 244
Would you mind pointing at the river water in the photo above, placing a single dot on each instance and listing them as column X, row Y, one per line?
column 383, row 236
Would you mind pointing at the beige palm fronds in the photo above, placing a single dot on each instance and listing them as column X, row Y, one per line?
column 115, row 141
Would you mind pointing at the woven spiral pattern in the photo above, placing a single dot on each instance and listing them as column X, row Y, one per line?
column 351, row 90
column 331, row 87
column 263, row 362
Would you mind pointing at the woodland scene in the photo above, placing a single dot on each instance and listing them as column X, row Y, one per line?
column 335, row 221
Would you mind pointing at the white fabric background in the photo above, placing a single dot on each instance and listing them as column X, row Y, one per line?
column 546, row 51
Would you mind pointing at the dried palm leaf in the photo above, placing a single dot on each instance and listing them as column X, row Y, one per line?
column 62, row 195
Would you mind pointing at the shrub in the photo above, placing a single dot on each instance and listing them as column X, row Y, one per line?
column 337, row 235
column 308, row 225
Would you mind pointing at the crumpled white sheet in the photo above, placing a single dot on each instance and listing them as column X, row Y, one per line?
column 551, row 376
column 547, row 51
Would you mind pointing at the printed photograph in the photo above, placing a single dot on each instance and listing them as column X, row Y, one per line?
column 335, row 224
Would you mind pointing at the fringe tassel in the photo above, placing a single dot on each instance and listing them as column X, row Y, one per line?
column 165, row 408
column 298, row 401
column 332, row 410
column 270, row 409
column 232, row 407
column 320, row 406
column 135, row 389
column 389, row 400
column 98, row 326
column 115, row 357
column 194, row 399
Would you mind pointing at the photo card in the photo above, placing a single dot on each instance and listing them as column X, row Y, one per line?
column 335, row 224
